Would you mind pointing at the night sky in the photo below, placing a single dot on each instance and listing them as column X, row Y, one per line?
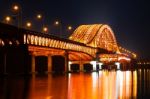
column 129, row 19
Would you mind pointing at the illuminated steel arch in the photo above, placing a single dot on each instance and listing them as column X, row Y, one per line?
column 97, row 35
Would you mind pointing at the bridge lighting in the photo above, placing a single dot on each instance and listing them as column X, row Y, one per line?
column 45, row 29
column 94, row 64
column 118, row 65
column 100, row 65
column 70, row 62
column 10, row 43
column 59, row 26
column 69, row 27
column 17, row 10
column 7, row 19
column 28, row 24
column 69, row 65
column 134, row 55
column 39, row 16
column 2, row 42
column 15, row 7
column 56, row 23
column 124, row 58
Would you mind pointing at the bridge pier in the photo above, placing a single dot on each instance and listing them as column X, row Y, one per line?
column 93, row 63
column 81, row 66
column 32, row 63
column 69, row 66
column 100, row 65
column 66, row 56
column 49, row 64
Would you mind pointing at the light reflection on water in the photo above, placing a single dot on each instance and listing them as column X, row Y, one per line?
column 97, row 85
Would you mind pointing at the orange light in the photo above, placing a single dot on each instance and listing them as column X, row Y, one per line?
column 39, row 16
column 45, row 29
column 69, row 27
column 15, row 7
column 123, row 58
column 7, row 18
column 28, row 24
column 134, row 55
column 56, row 22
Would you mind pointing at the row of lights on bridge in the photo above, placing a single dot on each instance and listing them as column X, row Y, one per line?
column 143, row 63
column 17, row 9
column 127, row 51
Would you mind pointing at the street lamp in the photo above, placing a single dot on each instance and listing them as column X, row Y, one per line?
column 28, row 24
column 7, row 19
column 16, row 8
column 45, row 29
column 69, row 28
column 58, row 24
column 39, row 16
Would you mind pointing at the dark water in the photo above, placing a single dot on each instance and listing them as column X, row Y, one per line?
column 97, row 85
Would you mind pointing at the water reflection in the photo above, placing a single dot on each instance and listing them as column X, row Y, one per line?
column 51, row 87
column 102, row 85
column 97, row 85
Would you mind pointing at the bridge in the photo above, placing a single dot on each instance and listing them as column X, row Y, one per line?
column 21, row 50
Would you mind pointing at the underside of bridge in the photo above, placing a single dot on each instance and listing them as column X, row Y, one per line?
column 57, row 59
column 72, row 55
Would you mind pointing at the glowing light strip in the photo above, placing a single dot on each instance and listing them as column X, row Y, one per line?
column 48, row 42
column 123, row 58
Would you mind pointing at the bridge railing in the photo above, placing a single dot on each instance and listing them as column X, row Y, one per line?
column 45, row 40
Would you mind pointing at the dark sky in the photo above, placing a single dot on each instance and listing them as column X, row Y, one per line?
column 129, row 19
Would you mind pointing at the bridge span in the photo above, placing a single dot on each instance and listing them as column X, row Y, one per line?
column 23, row 51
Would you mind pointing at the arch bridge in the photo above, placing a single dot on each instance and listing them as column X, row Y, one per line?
column 87, row 43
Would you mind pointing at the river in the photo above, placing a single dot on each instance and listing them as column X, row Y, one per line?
column 104, row 84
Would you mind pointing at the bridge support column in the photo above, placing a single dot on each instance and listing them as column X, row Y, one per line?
column 81, row 67
column 100, row 65
column 33, row 64
column 5, row 63
column 94, row 65
column 66, row 62
column 69, row 66
column 49, row 64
